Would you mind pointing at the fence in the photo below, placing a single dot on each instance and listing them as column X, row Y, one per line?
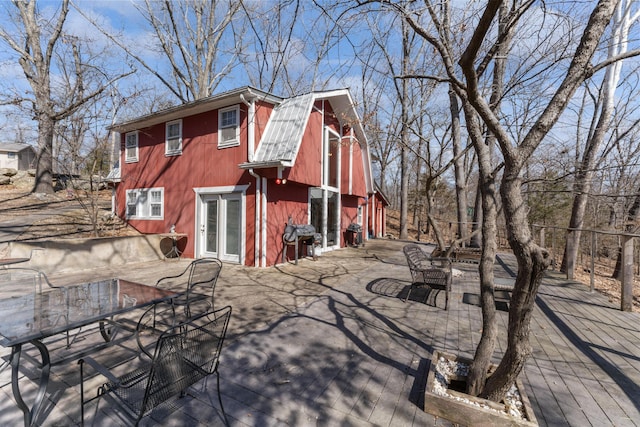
column 595, row 245
column 613, row 246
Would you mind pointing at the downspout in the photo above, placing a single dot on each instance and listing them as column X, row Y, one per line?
column 365, row 227
column 251, row 114
column 114, row 139
column 258, row 208
column 263, row 230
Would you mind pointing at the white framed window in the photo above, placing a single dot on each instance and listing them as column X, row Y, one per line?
column 229, row 127
column 131, row 147
column 173, row 142
column 145, row 203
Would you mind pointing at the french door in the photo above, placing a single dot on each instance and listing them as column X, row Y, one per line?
column 220, row 226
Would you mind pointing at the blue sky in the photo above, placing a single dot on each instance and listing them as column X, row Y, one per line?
column 122, row 18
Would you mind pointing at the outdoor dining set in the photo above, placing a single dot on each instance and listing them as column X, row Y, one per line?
column 172, row 329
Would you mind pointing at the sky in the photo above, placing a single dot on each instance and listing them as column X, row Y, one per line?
column 122, row 18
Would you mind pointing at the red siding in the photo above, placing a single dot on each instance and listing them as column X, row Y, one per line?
column 377, row 216
column 309, row 159
column 263, row 112
column 290, row 200
column 201, row 164
column 349, row 214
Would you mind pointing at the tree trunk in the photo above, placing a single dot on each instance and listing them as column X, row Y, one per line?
column 458, row 165
column 533, row 260
column 632, row 217
column 617, row 45
column 486, row 184
column 476, row 239
column 44, row 168
column 404, row 160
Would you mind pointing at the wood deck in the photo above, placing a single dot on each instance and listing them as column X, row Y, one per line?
column 332, row 342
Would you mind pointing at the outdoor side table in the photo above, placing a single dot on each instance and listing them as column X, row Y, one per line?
column 174, row 251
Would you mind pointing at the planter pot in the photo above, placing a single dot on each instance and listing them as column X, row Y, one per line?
column 445, row 400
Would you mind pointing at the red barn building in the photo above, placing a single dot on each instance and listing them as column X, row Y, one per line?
column 230, row 170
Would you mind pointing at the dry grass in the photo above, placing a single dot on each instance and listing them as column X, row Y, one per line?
column 61, row 215
column 605, row 284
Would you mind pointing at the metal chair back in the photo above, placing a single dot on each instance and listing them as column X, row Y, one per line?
column 184, row 354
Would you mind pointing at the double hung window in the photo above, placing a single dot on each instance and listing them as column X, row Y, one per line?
column 131, row 147
column 173, row 143
column 145, row 203
column 228, row 127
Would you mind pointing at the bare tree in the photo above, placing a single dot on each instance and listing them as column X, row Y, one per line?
column 479, row 52
column 35, row 41
column 193, row 38
column 285, row 46
column 618, row 45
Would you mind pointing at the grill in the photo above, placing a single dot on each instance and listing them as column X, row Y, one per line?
column 294, row 233
column 354, row 234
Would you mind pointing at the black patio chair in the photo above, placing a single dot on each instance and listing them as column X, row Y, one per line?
column 184, row 354
column 198, row 282
column 433, row 273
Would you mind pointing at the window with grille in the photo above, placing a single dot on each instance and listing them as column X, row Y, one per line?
column 145, row 203
column 228, row 127
column 131, row 147
column 174, row 138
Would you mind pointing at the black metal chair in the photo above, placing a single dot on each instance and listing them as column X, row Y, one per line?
column 434, row 273
column 184, row 354
column 198, row 282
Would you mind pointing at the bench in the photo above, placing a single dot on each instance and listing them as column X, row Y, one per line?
column 462, row 255
column 434, row 273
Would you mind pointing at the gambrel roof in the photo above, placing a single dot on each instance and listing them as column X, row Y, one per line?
column 283, row 135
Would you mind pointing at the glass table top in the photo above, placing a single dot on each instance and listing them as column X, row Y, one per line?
column 41, row 314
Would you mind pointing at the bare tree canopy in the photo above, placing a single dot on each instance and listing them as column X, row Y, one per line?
column 58, row 69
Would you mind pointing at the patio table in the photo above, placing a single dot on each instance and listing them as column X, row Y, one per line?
column 35, row 316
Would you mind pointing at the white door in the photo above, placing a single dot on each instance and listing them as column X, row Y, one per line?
column 220, row 224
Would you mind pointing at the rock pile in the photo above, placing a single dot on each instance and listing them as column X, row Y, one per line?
column 19, row 179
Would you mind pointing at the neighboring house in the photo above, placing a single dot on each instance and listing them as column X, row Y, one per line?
column 17, row 156
column 232, row 169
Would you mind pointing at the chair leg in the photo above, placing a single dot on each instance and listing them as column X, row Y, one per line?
column 224, row 414
column 81, row 363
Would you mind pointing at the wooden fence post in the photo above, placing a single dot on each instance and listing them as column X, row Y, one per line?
column 570, row 263
column 627, row 274
column 592, row 275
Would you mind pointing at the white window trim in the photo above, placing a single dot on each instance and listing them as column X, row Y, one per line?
column 135, row 158
column 236, row 141
column 143, row 208
column 177, row 151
